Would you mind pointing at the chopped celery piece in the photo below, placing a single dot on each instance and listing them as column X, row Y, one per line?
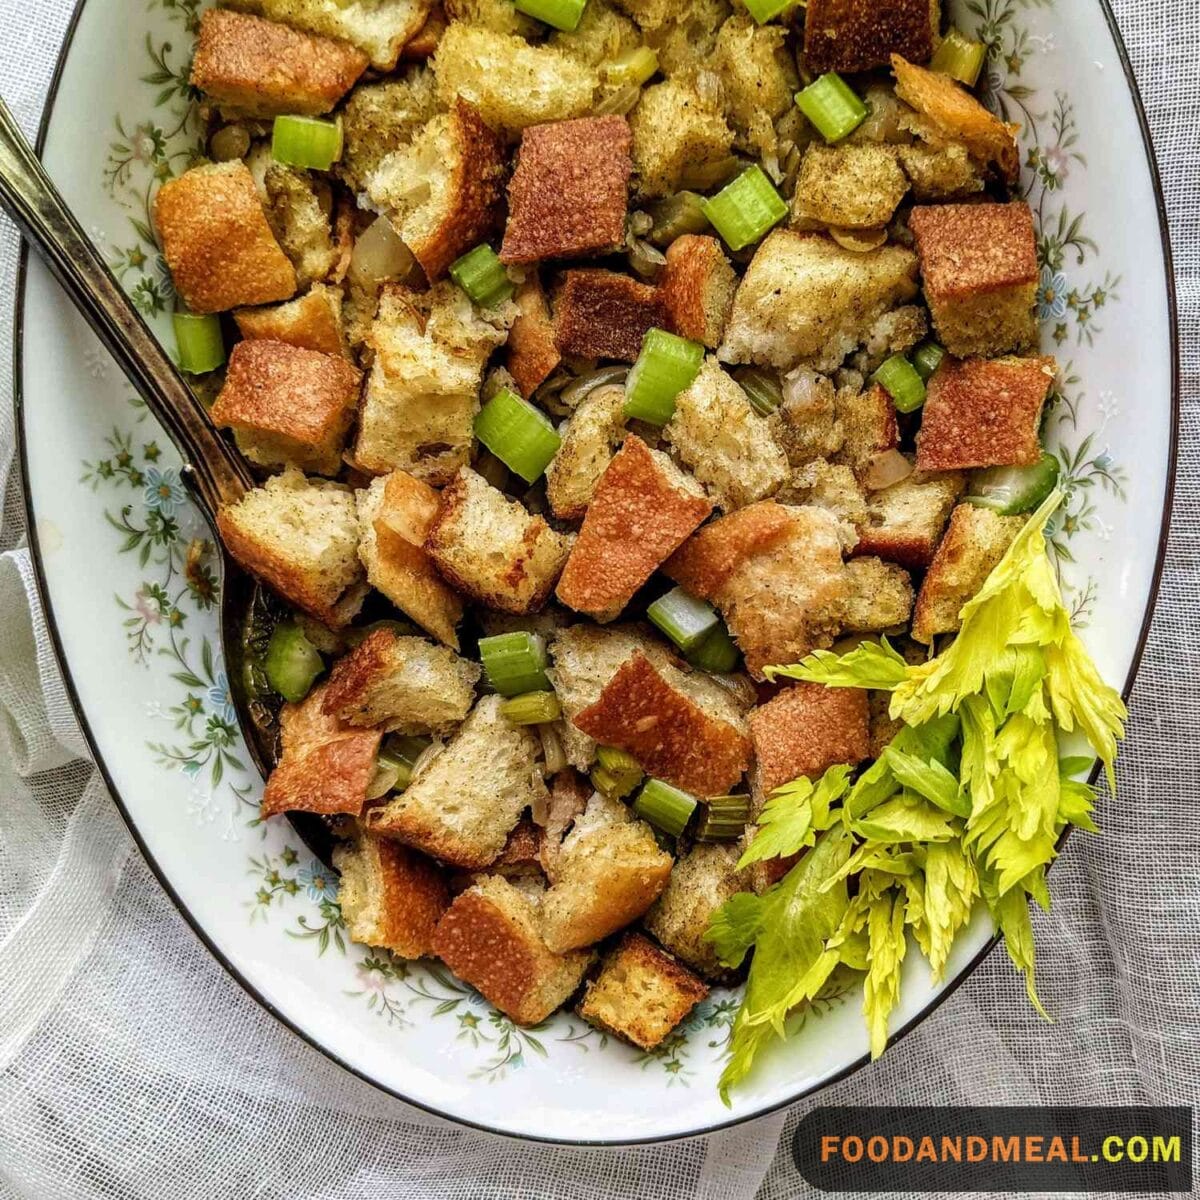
column 723, row 819
column 901, row 380
column 293, row 662
column 665, row 807
column 959, row 57
column 927, row 357
column 1013, row 490
column 832, row 106
column 518, row 434
column 766, row 10
column 619, row 761
column 666, row 366
column 306, row 142
column 562, row 14
column 762, row 389
column 201, row 346
column 675, row 216
column 614, row 784
column 745, row 209
column 684, row 619
column 482, row 276
column 631, row 69
column 716, row 653
column 532, row 708
column 515, row 663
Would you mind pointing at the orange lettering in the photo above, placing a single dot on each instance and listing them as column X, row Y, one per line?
column 1006, row 1149
column 926, row 1151
column 977, row 1148
column 951, row 1149
column 877, row 1148
column 829, row 1146
column 1056, row 1151
column 852, row 1149
column 902, row 1148
column 1077, row 1154
column 1033, row 1149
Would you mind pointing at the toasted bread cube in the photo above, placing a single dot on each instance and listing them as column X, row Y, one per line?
column 984, row 413
column 958, row 115
column 287, row 405
column 463, row 804
column 602, row 35
column 805, row 299
column 311, row 322
column 868, row 424
column 758, row 78
column 941, row 171
column 673, row 737
column 217, row 242
column 379, row 117
column 806, row 423
column 443, row 191
column 394, row 517
column 491, row 548
column 880, row 596
column 980, row 272
column 896, row 332
column 532, row 352
column 264, row 69
column 380, row 28
column 676, row 130
column 832, row 486
column 697, row 289
column 513, row 83
column 701, row 881
column 300, row 537
column 604, row 878
column 402, row 685
column 643, row 508
column 904, row 522
column 856, row 35
column 491, row 938
column 974, row 543
column 854, row 186
column 587, row 658
column 297, row 208
column 640, row 994
column 326, row 767
column 590, row 437
column 727, row 445
column 424, row 43
column 602, row 314
column 390, row 896
column 498, row 15
column 570, row 190
column 775, row 572
column 652, row 14
column 422, row 396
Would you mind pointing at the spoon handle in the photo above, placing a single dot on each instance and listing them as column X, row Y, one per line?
column 215, row 473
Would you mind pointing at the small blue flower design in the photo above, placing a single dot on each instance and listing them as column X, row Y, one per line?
column 319, row 880
column 1051, row 295
column 164, row 493
column 222, row 703
column 191, row 768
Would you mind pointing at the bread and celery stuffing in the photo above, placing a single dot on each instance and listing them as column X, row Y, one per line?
column 647, row 407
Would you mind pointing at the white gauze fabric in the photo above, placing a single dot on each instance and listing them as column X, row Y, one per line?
column 132, row 1066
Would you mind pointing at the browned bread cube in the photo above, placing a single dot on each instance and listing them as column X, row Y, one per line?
column 377, row 118
column 880, row 596
column 590, row 437
column 287, row 405
column 326, row 767
column 980, row 271
column 569, row 191
column 974, row 543
column 643, row 508
column 217, row 242
column 666, row 730
column 532, row 352
column 602, row 314
column 868, row 425
column 853, row 186
column 424, row 44
column 492, row 548
column 904, row 522
column 390, row 896
column 984, row 413
column 641, row 993
column 312, row 321
column 856, row 35
column 491, row 938
column 697, row 289
column 776, row 573
column 265, row 69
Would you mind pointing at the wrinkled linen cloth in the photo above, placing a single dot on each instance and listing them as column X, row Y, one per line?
column 132, row 1066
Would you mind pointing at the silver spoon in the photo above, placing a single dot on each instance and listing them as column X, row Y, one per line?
column 214, row 473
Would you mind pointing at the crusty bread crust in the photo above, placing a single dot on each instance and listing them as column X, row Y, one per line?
column 424, row 43
column 266, row 69
column 856, row 35
column 570, row 189
column 603, row 314
column 984, row 413
column 532, row 353
column 966, row 249
column 216, row 240
column 905, row 522
column 641, row 512
column 672, row 737
column 312, row 321
column 705, row 564
column 697, row 289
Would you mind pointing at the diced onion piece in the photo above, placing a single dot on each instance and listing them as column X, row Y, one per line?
column 306, row 142
column 515, row 663
column 762, row 389
column 518, row 434
column 379, row 254
column 959, row 57
column 686, row 620
column 392, row 774
column 201, row 346
column 765, row 10
column 884, row 469
column 292, row 662
column 717, row 653
column 723, row 819
column 832, row 106
column 229, row 142
column 676, row 215
column 745, row 209
column 927, row 357
column 554, row 758
column 665, row 807
column 630, row 69
column 578, row 389
column 858, row 241
column 899, row 378
column 482, row 276
column 666, row 366
column 532, row 708
column 562, row 14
